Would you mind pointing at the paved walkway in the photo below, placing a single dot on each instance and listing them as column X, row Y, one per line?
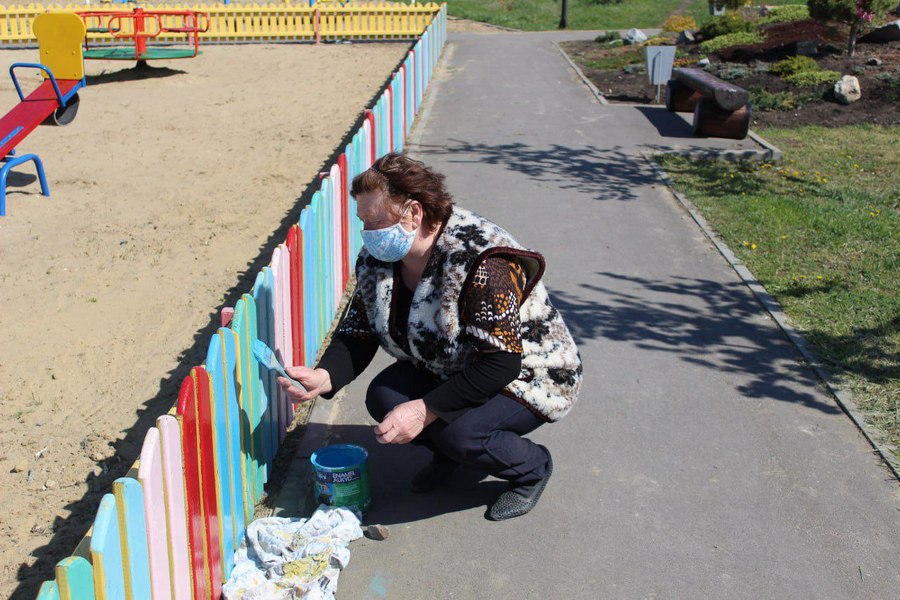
column 702, row 461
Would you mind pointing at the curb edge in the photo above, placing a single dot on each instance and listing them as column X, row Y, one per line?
column 843, row 398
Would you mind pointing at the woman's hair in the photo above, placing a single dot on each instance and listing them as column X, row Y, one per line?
column 402, row 177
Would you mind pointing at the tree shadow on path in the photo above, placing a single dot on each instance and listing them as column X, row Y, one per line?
column 706, row 323
column 604, row 174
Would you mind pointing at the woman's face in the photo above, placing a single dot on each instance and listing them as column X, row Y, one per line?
column 373, row 210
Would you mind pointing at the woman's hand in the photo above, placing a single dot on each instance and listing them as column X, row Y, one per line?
column 316, row 382
column 404, row 423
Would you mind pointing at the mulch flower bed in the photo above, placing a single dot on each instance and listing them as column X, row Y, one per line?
column 775, row 102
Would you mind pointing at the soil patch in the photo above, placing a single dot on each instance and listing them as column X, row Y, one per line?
column 880, row 102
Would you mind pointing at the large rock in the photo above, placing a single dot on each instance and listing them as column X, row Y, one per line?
column 807, row 48
column 846, row 90
column 634, row 37
column 889, row 32
column 686, row 37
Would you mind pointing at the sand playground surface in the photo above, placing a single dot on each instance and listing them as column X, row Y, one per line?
column 168, row 192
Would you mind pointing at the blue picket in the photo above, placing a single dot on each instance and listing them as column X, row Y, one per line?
column 106, row 552
column 135, row 552
column 269, row 337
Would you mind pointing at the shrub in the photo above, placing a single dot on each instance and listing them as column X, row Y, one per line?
column 724, row 25
column 608, row 37
column 855, row 13
column 743, row 38
column 677, row 24
column 785, row 13
column 658, row 41
column 731, row 4
column 794, row 64
column 811, row 78
column 762, row 99
column 731, row 71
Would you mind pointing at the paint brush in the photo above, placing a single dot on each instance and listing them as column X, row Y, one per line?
column 267, row 358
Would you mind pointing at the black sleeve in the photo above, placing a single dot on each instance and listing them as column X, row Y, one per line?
column 488, row 373
column 345, row 359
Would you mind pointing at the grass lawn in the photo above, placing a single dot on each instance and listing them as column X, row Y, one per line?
column 536, row 15
column 822, row 232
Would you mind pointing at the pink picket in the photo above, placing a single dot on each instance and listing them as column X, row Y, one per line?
column 176, row 507
column 150, row 474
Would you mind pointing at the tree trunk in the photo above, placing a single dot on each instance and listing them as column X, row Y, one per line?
column 851, row 44
column 563, row 19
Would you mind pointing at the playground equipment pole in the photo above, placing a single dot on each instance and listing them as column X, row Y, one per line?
column 140, row 42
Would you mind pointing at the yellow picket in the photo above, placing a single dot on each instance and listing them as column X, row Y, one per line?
column 251, row 22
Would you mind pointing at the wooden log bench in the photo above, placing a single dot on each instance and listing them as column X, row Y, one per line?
column 721, row 109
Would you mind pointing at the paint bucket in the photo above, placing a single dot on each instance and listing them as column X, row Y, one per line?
column 342, row 477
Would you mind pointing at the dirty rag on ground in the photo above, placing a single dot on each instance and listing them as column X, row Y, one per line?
column 283, row 558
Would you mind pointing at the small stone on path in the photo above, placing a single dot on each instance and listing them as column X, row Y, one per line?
column 51, row 484
column 378, row 532
column 19, row 468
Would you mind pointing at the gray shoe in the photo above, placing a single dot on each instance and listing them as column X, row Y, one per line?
column 519, row 499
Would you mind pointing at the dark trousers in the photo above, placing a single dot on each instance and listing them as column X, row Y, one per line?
column 486, row 437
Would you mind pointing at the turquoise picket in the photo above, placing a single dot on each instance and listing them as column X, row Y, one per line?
column 243, row 512
column 260, row 298
column 130, row 506
column 257, row 421
column 327, row 252
column 246, row 400
column 75, row 579
column 224, row 488
column 106, row 551
column 48, row 591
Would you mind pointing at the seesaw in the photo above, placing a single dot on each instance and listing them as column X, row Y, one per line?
column 140, row 26
column 54, row 102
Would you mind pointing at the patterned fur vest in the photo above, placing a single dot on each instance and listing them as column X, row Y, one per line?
column 551, row 366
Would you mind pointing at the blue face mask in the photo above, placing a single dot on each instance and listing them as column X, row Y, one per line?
column 389, row 244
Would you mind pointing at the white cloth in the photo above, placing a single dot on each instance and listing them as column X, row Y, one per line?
column 283, row 559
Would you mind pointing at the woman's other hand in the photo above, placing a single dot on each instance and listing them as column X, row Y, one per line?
column 316, row 382
column 404, row 423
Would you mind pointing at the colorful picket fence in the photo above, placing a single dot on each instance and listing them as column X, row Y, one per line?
column 238, row 23
column 170, row 531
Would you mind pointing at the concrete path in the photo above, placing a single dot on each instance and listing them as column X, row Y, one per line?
column 702, row 461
